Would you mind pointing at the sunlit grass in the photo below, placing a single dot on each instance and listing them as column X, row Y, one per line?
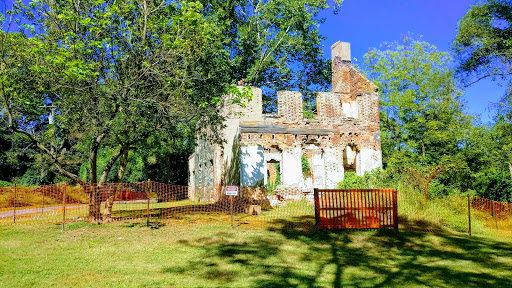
column 133, row 255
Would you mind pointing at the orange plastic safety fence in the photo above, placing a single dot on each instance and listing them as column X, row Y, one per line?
column 491, row 217
column 467, row 214
column 42, row 204
column 154, row 202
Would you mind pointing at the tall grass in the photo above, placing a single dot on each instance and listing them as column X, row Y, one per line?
column 449, row 213
column 437, row 213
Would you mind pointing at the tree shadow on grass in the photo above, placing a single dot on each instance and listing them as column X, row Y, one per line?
column 377, row 258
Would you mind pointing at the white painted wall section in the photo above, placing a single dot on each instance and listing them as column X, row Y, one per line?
column 318, row 169
column 230, row 135
column 350, row 109
column 370, row 159
column 252, row 165
column 306, row 185
column 191, row 177
column 291, row 167
column 333, row 167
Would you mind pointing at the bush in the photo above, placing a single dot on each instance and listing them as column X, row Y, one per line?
column 352, row 181
column 5, row 184
column 375, row 179
column 495, row 185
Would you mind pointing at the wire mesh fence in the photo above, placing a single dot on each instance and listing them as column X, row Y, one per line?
column 465, row 213
column 491, row 217
column 154, row 202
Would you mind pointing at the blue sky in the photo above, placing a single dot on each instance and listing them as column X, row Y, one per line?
column 368, row 23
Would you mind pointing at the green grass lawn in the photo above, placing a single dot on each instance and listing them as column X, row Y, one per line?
column 132, row 255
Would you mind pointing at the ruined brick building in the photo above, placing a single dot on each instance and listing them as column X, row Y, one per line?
column 343, row 136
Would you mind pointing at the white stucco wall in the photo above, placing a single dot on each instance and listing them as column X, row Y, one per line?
column 230, row 135
column 350, row 109
column 333, row 162
column 317, row 163
column 252, row 165
column 191, row 177
column 291, row 166
column 306, row 185
column 370, row 159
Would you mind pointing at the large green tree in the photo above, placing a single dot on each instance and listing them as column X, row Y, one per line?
column 121, row 74
column 125, row 75
column 274, row 44
column 420, row 104
column 483, row 45
column 422, row 121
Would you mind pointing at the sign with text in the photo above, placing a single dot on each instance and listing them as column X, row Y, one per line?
column 232, row 190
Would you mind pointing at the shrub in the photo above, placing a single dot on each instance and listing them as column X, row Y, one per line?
column 5, row 184
column 352, row 181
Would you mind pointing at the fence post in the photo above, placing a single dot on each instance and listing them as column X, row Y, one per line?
column 395, row 209
column 495, row 216
column 64, row 206
column 231, row 208
column 469, row 215
column 14, row 212
column 148, row 192
column 317, row 207
column 42, row 208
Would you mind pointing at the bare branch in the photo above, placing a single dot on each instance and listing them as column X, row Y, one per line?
column 487, row 76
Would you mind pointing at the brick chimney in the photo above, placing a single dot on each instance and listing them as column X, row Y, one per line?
column 340, row 52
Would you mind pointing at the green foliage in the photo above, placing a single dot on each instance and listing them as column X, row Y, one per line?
column 309, row 109
column 271, row 188
column 422, row 120
column 15, row 156
column 307, row 114
column 123, row 77
column 278, row 173
column 120, row 76
column 273, row 44
column 483, row 47
column 494, row 184
column 352, row 181
column 483, row 44
column 35, row 176
column 421, row 108
column 5, row 183
column 306, row 167
column 375, row 179
column 241, row 96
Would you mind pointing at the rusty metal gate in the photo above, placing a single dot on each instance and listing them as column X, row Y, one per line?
column 356, row 208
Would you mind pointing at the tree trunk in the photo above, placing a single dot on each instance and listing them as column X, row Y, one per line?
column 95, row 189
column 95, row 203
column 510, row 169
column 107, row 212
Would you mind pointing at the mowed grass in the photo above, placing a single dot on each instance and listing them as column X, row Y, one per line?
column 133, row 255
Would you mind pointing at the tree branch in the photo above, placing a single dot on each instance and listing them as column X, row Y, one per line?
column 487, row 76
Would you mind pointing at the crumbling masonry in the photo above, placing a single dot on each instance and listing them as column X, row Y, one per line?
column 304, row 153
